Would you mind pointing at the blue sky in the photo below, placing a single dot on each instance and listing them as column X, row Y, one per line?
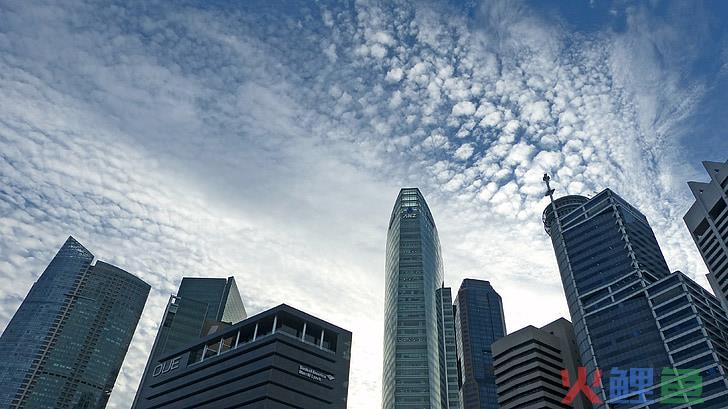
column 268, row 140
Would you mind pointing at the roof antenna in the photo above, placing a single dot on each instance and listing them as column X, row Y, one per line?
column 549, row 191
column 550, row 194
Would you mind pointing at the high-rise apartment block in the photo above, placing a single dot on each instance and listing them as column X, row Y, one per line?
column 280, row 358
column 628, row 311
column 707, row 221
column 528, row 365
column 65, row 345
column 479, row 322
column 417, row 317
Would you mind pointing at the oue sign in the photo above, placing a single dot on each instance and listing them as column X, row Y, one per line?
column 166, row 366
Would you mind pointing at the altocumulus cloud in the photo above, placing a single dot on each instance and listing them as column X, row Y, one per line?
column 267, row 141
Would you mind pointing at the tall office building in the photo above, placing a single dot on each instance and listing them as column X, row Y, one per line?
column 448, row 348
column 199, row 304
column 416, row 365
column 479, row 322
column 616, row 283
column 200, row 307
column 64, row 346
column 528, row 365
column 707, row 221
column 280, row 358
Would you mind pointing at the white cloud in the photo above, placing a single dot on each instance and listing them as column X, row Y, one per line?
column 394, row 75
column 383, row 38
column 330, row 52
column 464, row 152
column 537, row 111
column 378, row 51
column 463, row 108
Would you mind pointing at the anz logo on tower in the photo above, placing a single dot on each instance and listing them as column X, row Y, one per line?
column 409, row 213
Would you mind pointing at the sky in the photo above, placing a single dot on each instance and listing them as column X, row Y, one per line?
column 268, row 140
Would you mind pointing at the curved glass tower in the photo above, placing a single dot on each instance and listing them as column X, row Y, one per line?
column 415, row 372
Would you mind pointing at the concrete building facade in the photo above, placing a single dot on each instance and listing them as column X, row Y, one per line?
column 707, row 221
column 528, row 365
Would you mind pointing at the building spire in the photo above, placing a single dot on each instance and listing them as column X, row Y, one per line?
column 549, row 191
column 550, row 194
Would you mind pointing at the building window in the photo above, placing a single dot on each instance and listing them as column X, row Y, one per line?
column 717, row 209
column 228, row 342
column 195, row 355
column 212, row 349
column 289, row 325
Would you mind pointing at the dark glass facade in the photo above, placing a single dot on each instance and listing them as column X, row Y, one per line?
column 201, row 306
column 611, row 266
column 479, row 322
column 415, row 370
column 65, row 345
column 221, row 296
column 280, row 358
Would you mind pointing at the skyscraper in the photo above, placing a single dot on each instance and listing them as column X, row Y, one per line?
column 64, row 346
column 416, row 365
column 628, row 311
column 201, row 306
column 479, row 322
column 448, row 349
column 707, row 221
column 528, row 365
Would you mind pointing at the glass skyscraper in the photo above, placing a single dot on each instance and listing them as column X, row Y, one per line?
column 416, row 360
column 479, row 322
column 64, row 346
column 200, row 307
column 199, row 304
column 627, row 309
column 448, row 349
column 707, row 221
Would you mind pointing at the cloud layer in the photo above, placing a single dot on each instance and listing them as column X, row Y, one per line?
column 268, row 141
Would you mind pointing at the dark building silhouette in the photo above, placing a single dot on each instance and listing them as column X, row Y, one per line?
column 200, row 307
column 281, row 358
column 479, row 322
column 65, row 345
